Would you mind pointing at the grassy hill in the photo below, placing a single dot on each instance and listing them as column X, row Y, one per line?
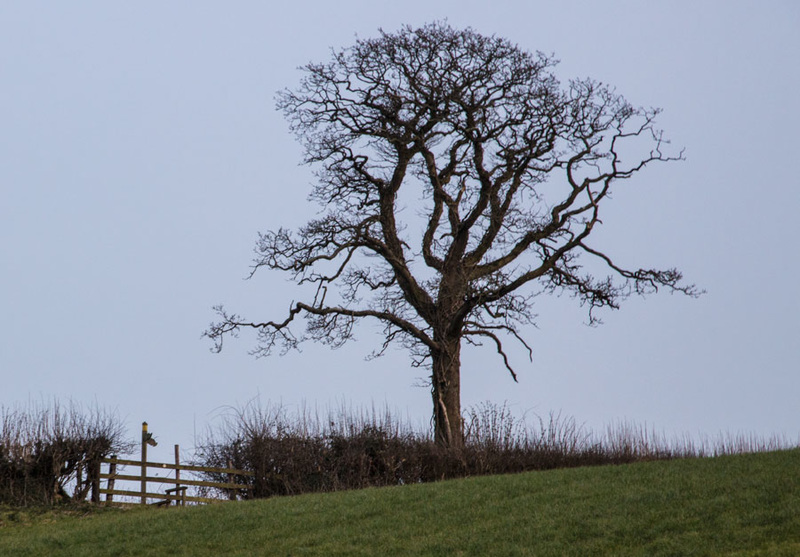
column 732, row 505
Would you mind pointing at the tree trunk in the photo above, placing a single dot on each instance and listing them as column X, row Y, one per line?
column 446, row 391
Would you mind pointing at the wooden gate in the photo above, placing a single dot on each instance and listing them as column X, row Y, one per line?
column 178, row 492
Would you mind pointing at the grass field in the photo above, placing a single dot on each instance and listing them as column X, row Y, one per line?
column 732, row 505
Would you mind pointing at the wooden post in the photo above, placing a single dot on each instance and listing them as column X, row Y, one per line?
column 79, row 482
column 93, row 476
column 178, row 490
column 144, row 463
column 112, row 471
column 231, row 479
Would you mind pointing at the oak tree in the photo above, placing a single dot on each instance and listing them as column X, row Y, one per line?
column 506, row 170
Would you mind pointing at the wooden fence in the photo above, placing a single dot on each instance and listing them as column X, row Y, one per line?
column 178, row 492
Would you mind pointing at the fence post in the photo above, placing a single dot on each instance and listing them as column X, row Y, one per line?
column 93, row 476
column 79, row 481
column 112, row 471
column 147, row 439
column 144, row 463
column 178, row 490
column 231, row 492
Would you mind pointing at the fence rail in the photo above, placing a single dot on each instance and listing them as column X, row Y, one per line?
column 186, row 467
column 162, row 497
column 175, row 481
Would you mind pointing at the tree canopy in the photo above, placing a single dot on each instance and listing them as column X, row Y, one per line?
column 507, row 169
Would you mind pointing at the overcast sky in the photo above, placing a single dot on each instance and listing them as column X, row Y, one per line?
column 141, row 152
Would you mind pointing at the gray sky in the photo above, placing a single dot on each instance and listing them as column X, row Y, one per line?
column 140, row 153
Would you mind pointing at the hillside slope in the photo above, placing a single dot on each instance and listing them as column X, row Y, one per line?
column 736, row 505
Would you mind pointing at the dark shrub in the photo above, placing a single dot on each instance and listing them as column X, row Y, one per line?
column 47, row 449
column 349, row 450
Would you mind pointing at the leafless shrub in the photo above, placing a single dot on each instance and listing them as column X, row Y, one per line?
column 351, row 448
column 305, row 452
column 46, row 448
column 741, row 443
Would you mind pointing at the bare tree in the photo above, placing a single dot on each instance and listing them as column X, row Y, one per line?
column 511, row 168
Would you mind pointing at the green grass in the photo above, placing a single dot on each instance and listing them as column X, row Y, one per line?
column 733, row 505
